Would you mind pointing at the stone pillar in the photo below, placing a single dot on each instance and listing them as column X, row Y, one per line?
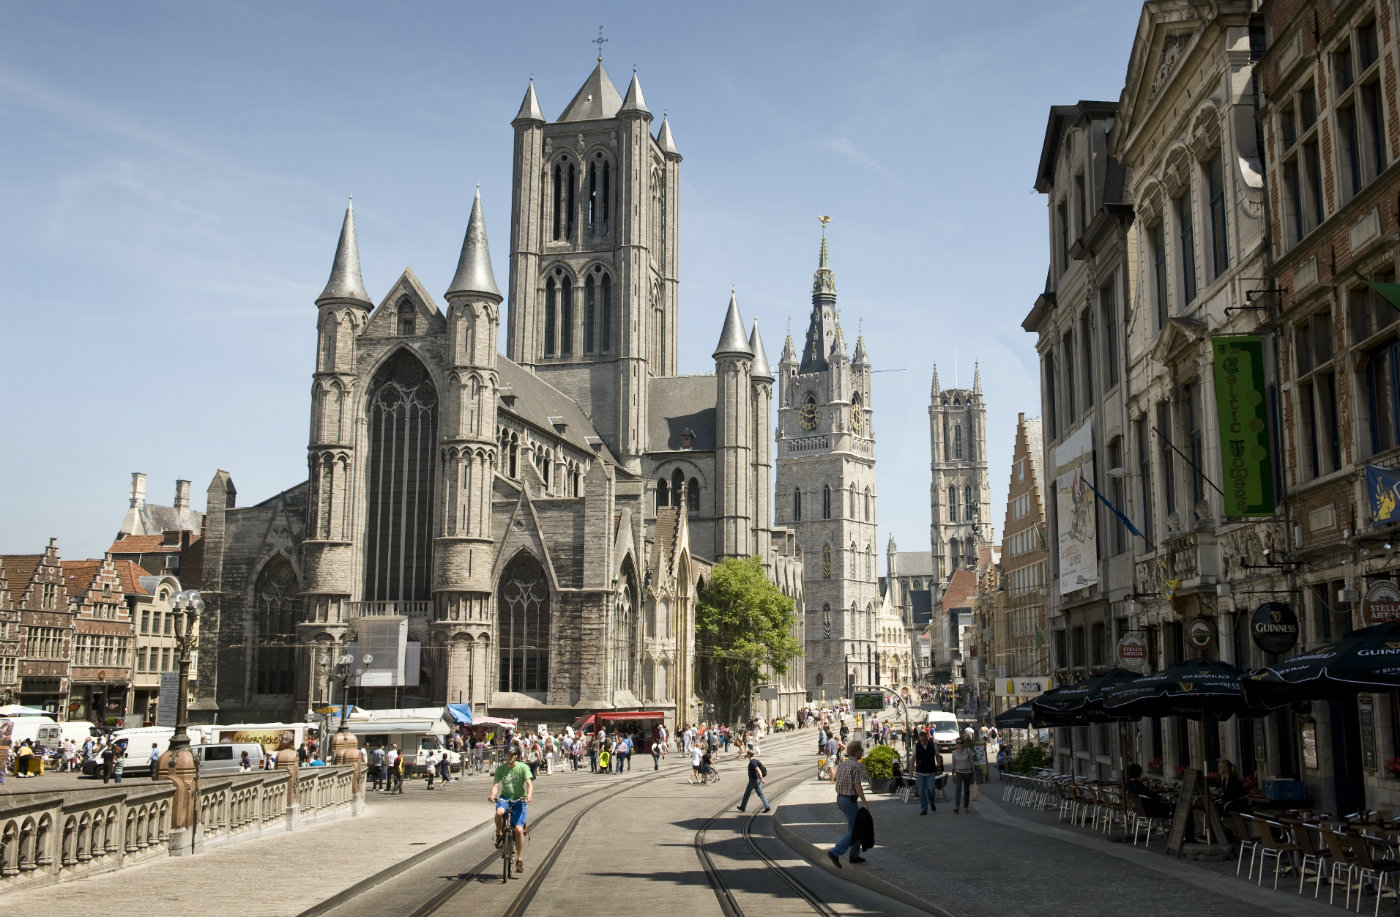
column 345, row 750
column 186, row 834
column 287, row 761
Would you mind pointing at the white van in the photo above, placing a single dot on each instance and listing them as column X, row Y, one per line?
column 53, row 735
column 943, row 726
column 226, row 757
column 138, row 748
column 27, row 727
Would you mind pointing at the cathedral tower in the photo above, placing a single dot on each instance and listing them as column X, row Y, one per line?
column 959, row 494
column 593, row 260
column 826, row 491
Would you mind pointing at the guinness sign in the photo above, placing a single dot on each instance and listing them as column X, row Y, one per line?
column 1274, row 627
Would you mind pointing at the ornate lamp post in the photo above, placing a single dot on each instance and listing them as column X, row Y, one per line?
column 177, row 764
column 344, row 747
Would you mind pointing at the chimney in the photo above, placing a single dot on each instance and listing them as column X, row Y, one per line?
column 138, row 489
column 182, row 496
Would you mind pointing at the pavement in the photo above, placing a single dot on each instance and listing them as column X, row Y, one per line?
column 996, row 858
column 993, row 859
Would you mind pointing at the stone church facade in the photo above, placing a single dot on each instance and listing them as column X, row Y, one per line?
column 524, row 532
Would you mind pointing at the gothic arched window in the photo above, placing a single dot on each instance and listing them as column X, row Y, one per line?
column 276, row 608
column 605, row 343
column 589, row 314
column 867, row 504
column 853, row 499
column 957, row 441
column 550, row 298
column 677, row 486
column 853, row 560
column 826, row 501
column 405, row 318
column 624, row 634
column 663, row 491
column 952, row 504
column 826, row 621
column 402, row 419
column 692, row 496
column 797, row 504
column 523, row 624
column 968, row 505
column 566, row 317
column 564, row 206
column 953, row 552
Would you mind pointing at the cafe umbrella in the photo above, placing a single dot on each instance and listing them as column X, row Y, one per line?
column 1364, row 660
column 1022, row 716
column 1199, row 689
column 1082, row 703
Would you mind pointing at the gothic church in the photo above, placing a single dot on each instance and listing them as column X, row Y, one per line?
column 524, row 532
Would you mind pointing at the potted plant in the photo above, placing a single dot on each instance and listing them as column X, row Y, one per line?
column 1392, row 766
column 879, row 767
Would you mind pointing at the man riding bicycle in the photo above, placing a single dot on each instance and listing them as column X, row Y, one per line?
column 511, row 789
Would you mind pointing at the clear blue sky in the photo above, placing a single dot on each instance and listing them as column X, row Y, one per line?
column 173, row 177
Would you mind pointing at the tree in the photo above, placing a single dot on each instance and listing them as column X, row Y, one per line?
column 745, row 626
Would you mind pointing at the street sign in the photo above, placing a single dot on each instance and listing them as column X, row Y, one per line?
column 868, row 701
column 168, row 699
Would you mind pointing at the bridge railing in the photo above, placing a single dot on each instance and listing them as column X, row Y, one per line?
column 46, row 836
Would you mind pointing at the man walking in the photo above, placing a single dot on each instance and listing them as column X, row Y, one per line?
column 376, row 768
column 928, row 764
column 155, row 761
column 756, row 774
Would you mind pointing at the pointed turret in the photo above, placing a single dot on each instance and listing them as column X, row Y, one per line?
column 838, row 345
column 665, row 140
column 731, row 339
column 860, row 358
column 825, row 321
column 596, row 100
column 761, row 369
column 634, row 103
column 789, row 354
column 976, row 379
column 530, row 107
column 823, row 281
column 933, row 390
column 345, row 283
column 474, row 276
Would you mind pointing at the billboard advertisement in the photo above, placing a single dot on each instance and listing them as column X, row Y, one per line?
column 1076, row 519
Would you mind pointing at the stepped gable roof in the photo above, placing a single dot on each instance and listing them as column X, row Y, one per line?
column 1035, row 448
column 524, row 395
column 19, row 571
column 79, row 574
column 677, row 404
column 596, row 100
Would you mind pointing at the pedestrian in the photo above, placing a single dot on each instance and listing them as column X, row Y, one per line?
column 245, row 764
column 850, row 799
column 963, row 775
column 376, row 768
column 155, row 761
column 119, row 762
column 430, row 769
column 109, row 755
column 444, row 769
column 928, row 764
column 398, row 774
column 391, row 758
column 757, row 772
column 697, row 755
column 655, row 755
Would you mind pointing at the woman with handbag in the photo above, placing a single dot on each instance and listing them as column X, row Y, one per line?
column 963, row 776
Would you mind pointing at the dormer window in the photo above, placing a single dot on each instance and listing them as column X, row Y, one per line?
column 687, row 438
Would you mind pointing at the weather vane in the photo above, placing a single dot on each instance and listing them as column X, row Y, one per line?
column 599, row 41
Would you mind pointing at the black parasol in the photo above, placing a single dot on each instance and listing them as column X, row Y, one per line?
column 1364, row 660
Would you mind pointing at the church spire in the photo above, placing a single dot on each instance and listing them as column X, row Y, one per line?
column 731, row 339
column 664, row 138
column 530, row 107
column 789, row 354
column 934, row 391
column 976, row 379
column 824, row 327
column 761, row 369
column 345, row 282
column 474, row 275
column 860, row 358
column 634, row 102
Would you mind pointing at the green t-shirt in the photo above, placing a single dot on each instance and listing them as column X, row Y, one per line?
column 512, row 779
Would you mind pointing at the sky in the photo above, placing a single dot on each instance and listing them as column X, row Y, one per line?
column 173, row 177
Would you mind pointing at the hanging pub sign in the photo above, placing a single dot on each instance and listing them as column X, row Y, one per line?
column 1274, row 627
column 1132, row 651
column 1381, row 604
column 1242, row 412
column 1200, row 633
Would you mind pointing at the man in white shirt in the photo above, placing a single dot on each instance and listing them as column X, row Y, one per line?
column 697, row 755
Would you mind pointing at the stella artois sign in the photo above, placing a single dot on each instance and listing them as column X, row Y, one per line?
column 1381, row 604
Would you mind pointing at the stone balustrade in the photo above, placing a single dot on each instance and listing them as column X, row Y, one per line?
column 79, row 830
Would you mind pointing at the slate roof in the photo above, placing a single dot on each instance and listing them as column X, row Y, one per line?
column 536, row 401
column 146, row 544
column 596, row 100
column 677, row 404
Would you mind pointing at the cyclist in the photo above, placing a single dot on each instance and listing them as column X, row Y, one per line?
column 511, row 789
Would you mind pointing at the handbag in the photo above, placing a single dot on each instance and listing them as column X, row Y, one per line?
column 976, row 793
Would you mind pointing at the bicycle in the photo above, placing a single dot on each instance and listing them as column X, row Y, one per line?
column 508, row 852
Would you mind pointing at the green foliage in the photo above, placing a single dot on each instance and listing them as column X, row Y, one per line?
column 745, row 629
column 879, row 763
column 1029, row 758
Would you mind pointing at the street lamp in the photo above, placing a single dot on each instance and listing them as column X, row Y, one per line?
column 345, row 748
column 187, row 605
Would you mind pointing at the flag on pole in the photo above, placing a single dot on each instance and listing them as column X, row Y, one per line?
column 1113, row 509
column 1383, row 493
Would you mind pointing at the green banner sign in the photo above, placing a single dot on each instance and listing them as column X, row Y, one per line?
column 1244, row 428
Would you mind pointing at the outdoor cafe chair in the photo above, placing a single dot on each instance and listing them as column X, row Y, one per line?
column 1275, row 840
column 1341, row 848
column 1137, row 809
column 1067, row 798
column 1245, row 835
column 1372, row 868
column 1314, row 854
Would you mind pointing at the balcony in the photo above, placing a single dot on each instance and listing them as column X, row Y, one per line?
column 421, row 609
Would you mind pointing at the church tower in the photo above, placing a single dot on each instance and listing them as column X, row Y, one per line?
column 593, row 255
column 959, row 494
column 826, row 491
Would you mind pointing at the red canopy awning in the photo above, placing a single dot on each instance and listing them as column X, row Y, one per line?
column 626, row 715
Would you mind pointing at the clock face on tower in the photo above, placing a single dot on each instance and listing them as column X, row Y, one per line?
column 857, row 417
column 807, row 416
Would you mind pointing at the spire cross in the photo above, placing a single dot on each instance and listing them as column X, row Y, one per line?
column 599, row 41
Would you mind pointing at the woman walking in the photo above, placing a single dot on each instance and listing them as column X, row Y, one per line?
column 850, row 799
column 963, row 775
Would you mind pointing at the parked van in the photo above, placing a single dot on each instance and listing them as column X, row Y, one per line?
column 138, row 748
column 943, row 726
column 53, row 735
column 223, row 758
column 27, row 727
column 415, row 737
